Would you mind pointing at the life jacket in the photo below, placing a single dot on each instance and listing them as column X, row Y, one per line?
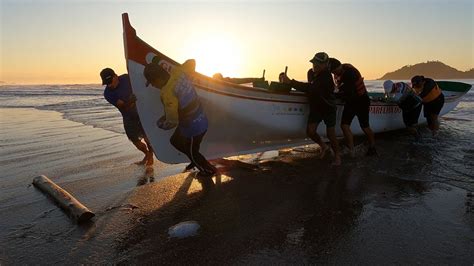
column 189, row 105
column 432, row 94
column 178, row 95
column 359, row 85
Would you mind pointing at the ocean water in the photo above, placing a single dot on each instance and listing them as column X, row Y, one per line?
column 84, row 104
column 70, row 133
column 79, row 103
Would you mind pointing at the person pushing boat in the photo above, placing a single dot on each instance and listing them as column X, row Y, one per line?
column 433, row 100
column 357, row 102
column 183, row 111
column 410, row 103
column 118, row 92
column 322, row 102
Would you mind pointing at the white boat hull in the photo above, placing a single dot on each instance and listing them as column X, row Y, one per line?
column 242, row 120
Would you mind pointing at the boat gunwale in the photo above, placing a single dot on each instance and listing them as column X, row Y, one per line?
column 130, row 34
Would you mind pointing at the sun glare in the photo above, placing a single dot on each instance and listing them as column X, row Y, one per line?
column 217, row 53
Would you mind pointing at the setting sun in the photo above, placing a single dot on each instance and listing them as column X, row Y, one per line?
column 216, row 52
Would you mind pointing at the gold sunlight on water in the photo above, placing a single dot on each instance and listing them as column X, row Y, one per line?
column 217, row 53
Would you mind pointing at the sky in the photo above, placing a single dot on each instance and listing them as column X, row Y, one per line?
column 70, row 41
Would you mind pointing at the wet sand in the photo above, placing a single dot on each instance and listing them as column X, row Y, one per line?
column 293, row 209
column 94, row 165
column 286, row 212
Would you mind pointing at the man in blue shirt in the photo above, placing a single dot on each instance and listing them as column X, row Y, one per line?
column 118, row 92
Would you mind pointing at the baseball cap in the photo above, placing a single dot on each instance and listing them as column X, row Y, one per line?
column 154, row 71
column 320, row 58
column 107, row 74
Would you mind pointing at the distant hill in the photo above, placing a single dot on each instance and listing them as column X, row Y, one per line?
column 432, row 69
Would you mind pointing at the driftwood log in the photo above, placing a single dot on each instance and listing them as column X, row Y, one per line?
column 78, row 211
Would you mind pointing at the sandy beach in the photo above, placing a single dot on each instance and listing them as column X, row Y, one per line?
column 411, row 205
column 95, row 165
column 287, row 213
column 251, row 86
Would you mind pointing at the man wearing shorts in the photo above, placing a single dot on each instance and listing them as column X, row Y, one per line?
column 357, row 103
column 118, row 92
column 322, row 103
column 410, row 103
column 433, row 100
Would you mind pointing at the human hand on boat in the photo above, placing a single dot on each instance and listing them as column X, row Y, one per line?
column 283, row 78
column 166, row 124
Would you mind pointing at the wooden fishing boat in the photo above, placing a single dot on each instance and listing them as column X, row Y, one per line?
column 245, row 119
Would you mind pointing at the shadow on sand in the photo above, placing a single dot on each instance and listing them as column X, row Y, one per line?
column 297, row 203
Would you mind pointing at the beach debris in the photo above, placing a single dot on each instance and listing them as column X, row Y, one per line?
column 126, row 207
column 184, row 229
column 226, row 164
column 65, row 200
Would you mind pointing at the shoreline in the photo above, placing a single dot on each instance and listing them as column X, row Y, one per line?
column 93, row 164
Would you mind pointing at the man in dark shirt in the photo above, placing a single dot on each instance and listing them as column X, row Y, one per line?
column 357, row 102
column 322, row 103
column 118, row 92
column 432, row 98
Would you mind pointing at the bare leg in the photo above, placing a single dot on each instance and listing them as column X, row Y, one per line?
column 370, row 136
column 149, row 154
column 346, row 129
column 331, row 133
column 311, row 131
column 143, row 148
column 435, row 124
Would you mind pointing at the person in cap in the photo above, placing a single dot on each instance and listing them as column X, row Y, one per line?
column 322, row 103
column 432, row 98
column 118, row 92
column 410, row 103
column 351, row 87
column 183, row 111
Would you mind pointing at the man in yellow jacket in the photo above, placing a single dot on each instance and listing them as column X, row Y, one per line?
column 183, row 110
